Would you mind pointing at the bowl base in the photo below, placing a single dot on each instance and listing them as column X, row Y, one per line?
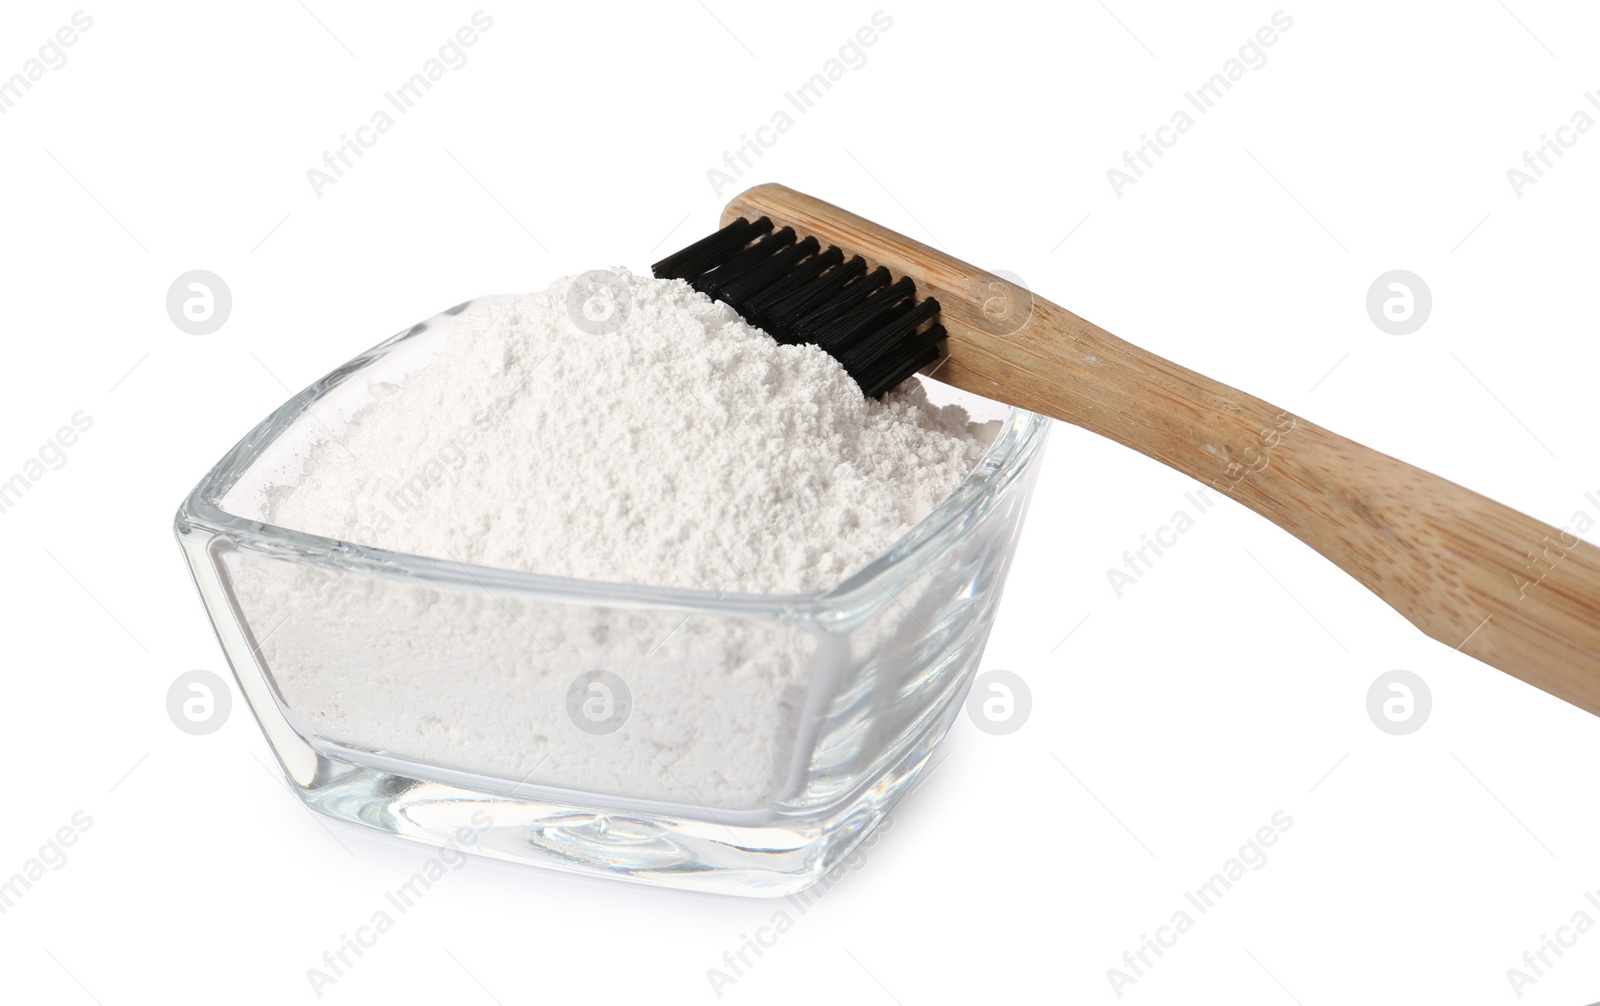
column 766, row 860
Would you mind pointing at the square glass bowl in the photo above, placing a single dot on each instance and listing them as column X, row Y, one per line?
column 728, row 742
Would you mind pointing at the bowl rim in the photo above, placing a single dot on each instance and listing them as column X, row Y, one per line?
column 1015, row 448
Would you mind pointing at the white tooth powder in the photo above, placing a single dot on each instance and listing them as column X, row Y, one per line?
column 683, row 449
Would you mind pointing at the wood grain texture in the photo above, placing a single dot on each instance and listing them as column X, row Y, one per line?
column 1509, row 590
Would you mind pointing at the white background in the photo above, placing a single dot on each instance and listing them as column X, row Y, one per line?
column 1226, row 685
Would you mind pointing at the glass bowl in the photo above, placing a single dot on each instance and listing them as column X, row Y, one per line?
column 705, row 739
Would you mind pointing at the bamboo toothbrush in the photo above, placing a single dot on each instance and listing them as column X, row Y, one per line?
column 1478, row 576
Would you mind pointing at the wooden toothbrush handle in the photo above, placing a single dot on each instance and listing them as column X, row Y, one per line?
column 1478, row 576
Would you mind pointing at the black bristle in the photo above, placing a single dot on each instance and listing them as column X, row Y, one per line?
column 791, row 309
column 757, row 303
column 843, row 331
column 887, row 333
column 837, row 306
column 741, row 263
column 708, row 251
column 800, row 292
column 920, row 351
column 770, row 271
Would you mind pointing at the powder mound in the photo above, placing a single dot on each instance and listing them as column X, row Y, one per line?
column 685, row 448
